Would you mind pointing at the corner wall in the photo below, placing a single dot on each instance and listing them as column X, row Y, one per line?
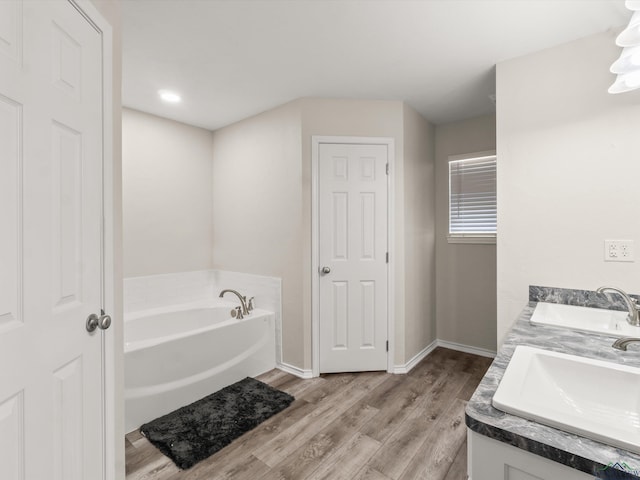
column 568, row 164
column 258, row 213
column 359, row 118
column 262, row 193
column 465, row 273
column 419, row 234
column 167, row 197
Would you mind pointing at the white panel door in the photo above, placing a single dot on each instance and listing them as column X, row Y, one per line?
column 352, row 252
column 51, row 418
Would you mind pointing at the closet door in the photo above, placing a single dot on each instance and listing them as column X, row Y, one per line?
column 353, row 257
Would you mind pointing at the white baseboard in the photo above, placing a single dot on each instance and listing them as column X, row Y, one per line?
column 466, row 348
column 298, row 372
column 407, row 367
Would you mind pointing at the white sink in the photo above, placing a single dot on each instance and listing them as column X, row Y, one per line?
column 609, row 322
column 595, row 399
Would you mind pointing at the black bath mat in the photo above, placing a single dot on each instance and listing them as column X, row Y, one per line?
column 195, row 432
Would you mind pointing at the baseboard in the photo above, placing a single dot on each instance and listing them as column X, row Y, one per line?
column 298, row 372
column 407, row 367
column 466, row 348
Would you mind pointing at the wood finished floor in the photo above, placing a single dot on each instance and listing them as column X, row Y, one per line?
column 351, row 426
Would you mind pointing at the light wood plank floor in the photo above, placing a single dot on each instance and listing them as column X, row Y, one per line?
column 362, row 426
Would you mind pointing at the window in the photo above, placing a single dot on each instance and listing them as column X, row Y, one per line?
column 472, row 198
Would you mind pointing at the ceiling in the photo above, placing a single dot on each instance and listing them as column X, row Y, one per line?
column 231, row 59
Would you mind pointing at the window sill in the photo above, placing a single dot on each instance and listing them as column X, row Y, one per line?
column 472, row 239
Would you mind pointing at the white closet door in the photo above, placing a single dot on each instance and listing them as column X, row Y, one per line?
column 352, row 252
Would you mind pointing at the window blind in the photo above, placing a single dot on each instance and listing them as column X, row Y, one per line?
column 472, row 196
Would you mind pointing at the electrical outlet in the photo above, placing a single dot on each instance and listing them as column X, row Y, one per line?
column 619, row 251
column 626, row 250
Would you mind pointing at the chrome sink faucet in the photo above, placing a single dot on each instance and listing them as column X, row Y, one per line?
column 623, row 343
column 632, row 305
column 243, row 300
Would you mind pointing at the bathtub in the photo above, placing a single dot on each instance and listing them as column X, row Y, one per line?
column 177, row 355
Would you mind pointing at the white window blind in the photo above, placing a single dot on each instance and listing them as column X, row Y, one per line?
column 472, row 197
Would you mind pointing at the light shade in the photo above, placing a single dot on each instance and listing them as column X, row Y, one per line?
column 626, row 82
column 629, row 61
column 627, row 66
column 632, row 4
column 630, row 36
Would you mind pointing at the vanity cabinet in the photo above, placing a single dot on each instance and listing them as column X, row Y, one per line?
column 489, row 459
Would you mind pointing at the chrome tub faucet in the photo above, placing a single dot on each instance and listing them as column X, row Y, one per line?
column 245, row 306
column 242, row 298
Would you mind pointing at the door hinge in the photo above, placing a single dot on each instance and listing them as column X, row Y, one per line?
column 387, row 257
column 387, row 345
column 387, row 169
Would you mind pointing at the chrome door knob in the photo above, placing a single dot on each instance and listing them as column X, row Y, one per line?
column 325, row 270
column 94, row 321
column 104, row 321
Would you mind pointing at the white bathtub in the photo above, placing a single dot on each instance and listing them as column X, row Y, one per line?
column 177, row 355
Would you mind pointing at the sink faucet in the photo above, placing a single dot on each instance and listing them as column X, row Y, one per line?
column 623, row 343
column 243, row 300
column 632, row 305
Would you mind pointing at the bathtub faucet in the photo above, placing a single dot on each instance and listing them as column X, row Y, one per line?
column 243, row 300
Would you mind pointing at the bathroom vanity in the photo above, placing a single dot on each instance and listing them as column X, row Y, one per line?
column 504, row 446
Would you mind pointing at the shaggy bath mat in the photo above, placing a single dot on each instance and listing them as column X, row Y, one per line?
column 195, row 432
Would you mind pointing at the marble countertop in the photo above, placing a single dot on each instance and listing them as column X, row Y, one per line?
column 572, row 450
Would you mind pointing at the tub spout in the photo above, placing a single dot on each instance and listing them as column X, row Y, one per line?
column 243, row 300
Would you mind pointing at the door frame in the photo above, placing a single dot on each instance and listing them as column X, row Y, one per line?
column 112, row 400
column 316, row 141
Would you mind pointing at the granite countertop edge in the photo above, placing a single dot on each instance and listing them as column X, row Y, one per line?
column 572, row 450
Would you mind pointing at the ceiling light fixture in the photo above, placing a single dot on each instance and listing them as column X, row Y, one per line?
column 169, row 97
column 627, row 67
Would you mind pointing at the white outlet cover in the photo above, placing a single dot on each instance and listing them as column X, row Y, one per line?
column 619, row 251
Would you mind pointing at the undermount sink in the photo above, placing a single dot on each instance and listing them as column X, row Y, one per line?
column 595, row 399
column 608, row 322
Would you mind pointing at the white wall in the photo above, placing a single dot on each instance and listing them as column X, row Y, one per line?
column 257, row 210
column 568, row 165
column 419, row 293
column 167, row 196
column 465, row 273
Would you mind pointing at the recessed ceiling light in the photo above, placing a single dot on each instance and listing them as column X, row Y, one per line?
column 169, row 97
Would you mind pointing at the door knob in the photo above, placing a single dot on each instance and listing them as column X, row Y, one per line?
column 104, row 321
column 325, row 270
column 94, row 321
